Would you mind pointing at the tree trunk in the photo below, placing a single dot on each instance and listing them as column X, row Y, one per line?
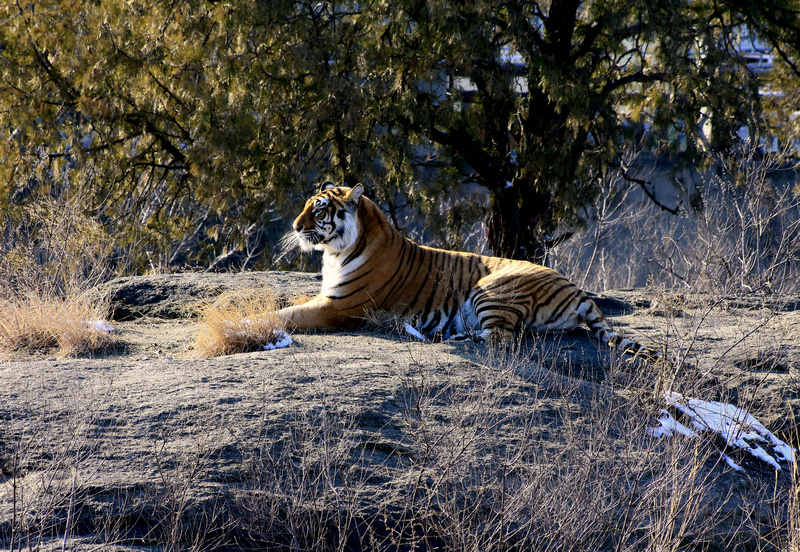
column 515, row 226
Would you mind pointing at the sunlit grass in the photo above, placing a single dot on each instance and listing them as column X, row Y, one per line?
column 39, row 324
column 239, row 322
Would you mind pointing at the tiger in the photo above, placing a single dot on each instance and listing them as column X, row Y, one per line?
column 368, row 265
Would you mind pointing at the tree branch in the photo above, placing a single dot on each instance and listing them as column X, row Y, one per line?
column 643, row 185
column 638, row 77
column 467, row 147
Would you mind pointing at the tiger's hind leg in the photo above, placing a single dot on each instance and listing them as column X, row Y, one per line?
column 499, row 310
column 497, row 335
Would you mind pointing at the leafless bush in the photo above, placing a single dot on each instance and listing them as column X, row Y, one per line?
column 53, row 247
column 738, row 231
column 550, row 470
column 49, row 463
column 750, row 230
column 486, row 463
column 305, row 486
column 792, row 543
column 181, row 506
column 179, row 519
column 51, row 254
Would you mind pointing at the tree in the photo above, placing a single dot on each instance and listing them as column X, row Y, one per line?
column 186, row 126
column 558, row 88
column 183, row 125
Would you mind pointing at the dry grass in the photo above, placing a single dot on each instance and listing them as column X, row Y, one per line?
column 490, row 458
column 39, row 324
column 487, row 463
column 792, row 543
column 239, row 322
column 52, row 252
column 488, row 453
column 738, row 231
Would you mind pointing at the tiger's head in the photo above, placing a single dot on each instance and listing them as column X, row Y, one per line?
column 329, row 221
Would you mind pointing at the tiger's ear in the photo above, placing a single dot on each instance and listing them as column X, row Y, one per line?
column 356, row 192
column 327, row 185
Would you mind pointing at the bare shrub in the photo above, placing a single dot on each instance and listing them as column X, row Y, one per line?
column 52, row 252
column 39, row 324
column 51, row 246
column 180, row 505
column 793, row 538
column 305, row 488
column 486, row 461
column 185, row 514
column 238, row 322
column 738, row 231
column 48, row 466
column 548, row 468
column 750, row 229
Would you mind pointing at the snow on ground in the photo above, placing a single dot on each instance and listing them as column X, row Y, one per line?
column 254, row 330
column 411, row 330
column 739, row 429
column 100, row 326
column 283, row 340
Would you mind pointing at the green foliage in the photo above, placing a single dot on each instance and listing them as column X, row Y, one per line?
column 193, row 129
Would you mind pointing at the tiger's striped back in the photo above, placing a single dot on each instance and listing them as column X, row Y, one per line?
column 368, row 265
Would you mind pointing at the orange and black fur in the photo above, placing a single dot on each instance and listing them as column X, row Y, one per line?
column 368, row 265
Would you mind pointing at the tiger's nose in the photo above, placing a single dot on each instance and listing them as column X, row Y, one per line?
column 298, row 227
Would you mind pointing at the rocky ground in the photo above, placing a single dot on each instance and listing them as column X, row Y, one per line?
column 372, row 439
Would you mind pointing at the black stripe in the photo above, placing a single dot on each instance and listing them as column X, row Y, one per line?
column 594, row 316
column 451, row 305
column 478, row 301
column 362, row 244
column 430, row 326
column 503, row 308
column 348, row 294
column 342, row 284
column 448, row 328
column 404, row 247
column 480, row 310
column 466, row 275
column 420, row 264
column 433, row 255
column 504, row 323
column 562, row 307
column 553, row 293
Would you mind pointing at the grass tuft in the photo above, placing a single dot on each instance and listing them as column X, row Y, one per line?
column 239, row 322
column 39, row 324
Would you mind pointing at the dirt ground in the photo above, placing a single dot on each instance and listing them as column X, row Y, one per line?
column 108, row 446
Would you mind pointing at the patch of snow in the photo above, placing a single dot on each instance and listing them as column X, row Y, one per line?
column 254, row 330
column 100, row 326
column 731, row 463
column 737, row 427
column 284, row 340
column 764, row 456
column 669, row 427
column 412, row 331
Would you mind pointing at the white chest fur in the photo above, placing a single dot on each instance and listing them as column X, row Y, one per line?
column 333, row 273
